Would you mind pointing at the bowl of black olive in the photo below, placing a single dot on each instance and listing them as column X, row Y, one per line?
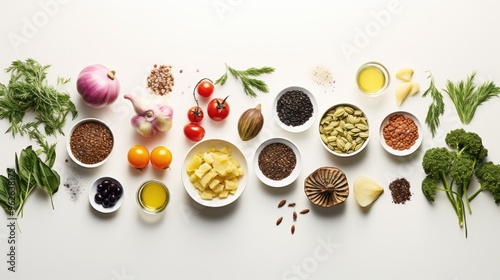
column 106, row 194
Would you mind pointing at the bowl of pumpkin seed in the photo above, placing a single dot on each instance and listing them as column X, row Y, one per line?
column 344, row 130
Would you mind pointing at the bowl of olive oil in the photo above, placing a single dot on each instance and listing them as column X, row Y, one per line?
column 372, row 78
column 153, row 196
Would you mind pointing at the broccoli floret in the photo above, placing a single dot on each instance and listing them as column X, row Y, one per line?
column 437, row 161
column 430, row 186
column 462, row 170
column 467, row 143
column 488, row 175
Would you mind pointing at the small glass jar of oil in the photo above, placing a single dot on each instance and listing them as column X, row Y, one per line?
column 372, row 78
column 153, row 196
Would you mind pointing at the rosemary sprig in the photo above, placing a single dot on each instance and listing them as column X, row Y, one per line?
column 436, row 109
column 29, row 91
column 467, row 96
column 246, row 77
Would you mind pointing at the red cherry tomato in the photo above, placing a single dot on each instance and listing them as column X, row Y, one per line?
column 218, row 109
column 194, row 132
column 195, row 114
column 205, row 87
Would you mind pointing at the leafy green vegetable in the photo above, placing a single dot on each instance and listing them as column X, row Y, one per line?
column 467, row 96
column 246, row 77
column 30, row 172
column 454, row 169
column 29, row 91
column 436, row 109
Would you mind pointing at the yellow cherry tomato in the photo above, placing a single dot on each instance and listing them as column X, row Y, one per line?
column 161, row 157
column 138, row 157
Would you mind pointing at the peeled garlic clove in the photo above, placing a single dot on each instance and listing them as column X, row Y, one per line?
column 366, row 190
column 402, row 91
column 415, row 87
column 404, row 74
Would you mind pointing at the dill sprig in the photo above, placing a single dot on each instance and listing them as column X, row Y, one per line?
column 29, row 91
column 467, row 96
column 436, row 109
column 247, row 79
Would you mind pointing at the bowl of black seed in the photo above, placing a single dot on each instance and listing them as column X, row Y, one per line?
column 295, row 109
column 90, row 142
column 106, row 194
column 277, row 162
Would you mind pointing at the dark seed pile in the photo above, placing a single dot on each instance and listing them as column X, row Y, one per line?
column 400, row 190
column 277, row 161
column 91, row 142
column 294, row 108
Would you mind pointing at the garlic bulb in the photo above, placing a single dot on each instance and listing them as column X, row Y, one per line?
column 150, row 117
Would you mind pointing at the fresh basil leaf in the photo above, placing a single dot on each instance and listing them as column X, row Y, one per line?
column 47, row 179
column 4, row 194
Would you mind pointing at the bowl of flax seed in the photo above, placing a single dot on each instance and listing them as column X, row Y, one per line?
column 90, row 142
column 277, row 162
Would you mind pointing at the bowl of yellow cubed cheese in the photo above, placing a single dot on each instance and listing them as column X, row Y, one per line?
column 214, row 172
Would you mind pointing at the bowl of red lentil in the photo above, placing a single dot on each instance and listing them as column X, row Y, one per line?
column 295, row 109
column 90, row 142
column 277, row 162
column 401, row 133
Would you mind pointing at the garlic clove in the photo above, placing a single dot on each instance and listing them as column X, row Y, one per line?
column 415, row 88
column 143, row 126
column 404, row 74
column 366, row 191
column 141, row 105
column 402, row 91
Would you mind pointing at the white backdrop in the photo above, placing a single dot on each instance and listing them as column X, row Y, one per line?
column 417, row 240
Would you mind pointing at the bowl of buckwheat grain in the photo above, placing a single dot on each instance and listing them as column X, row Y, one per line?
column 400, row 133
column 277, row 162
column 344, row 130
column 90, row 142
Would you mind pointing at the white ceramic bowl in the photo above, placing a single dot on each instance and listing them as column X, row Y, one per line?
column 68, row 143
column 344, row 154
column 203, row 146
column 414, row 147
column 293, row 175
column 93, row 191
column 305, row 125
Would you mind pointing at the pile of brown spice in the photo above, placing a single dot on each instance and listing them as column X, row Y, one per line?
column 400, row 132
column 400, row 190
column 277, row 161
column 91, row 142
column 161, row 79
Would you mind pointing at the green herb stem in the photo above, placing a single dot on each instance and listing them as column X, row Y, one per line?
column 250, row 84
column 467, row 96
column 436, row 109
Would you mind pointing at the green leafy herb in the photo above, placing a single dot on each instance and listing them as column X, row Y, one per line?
column 30, row 172
column 467, row 96
column 247, row 79
column 29, row 91
column 436, row 109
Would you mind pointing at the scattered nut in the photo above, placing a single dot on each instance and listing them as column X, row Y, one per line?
column 305, row 211
column 294, row 216
column 280, row 219
column 293, row 229
column 281, row 203
column 291, row 204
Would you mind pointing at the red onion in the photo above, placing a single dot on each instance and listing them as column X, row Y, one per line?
column 98, row 86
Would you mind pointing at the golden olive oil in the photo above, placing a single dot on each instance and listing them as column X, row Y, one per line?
column 372, row 79
column 153, row 196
